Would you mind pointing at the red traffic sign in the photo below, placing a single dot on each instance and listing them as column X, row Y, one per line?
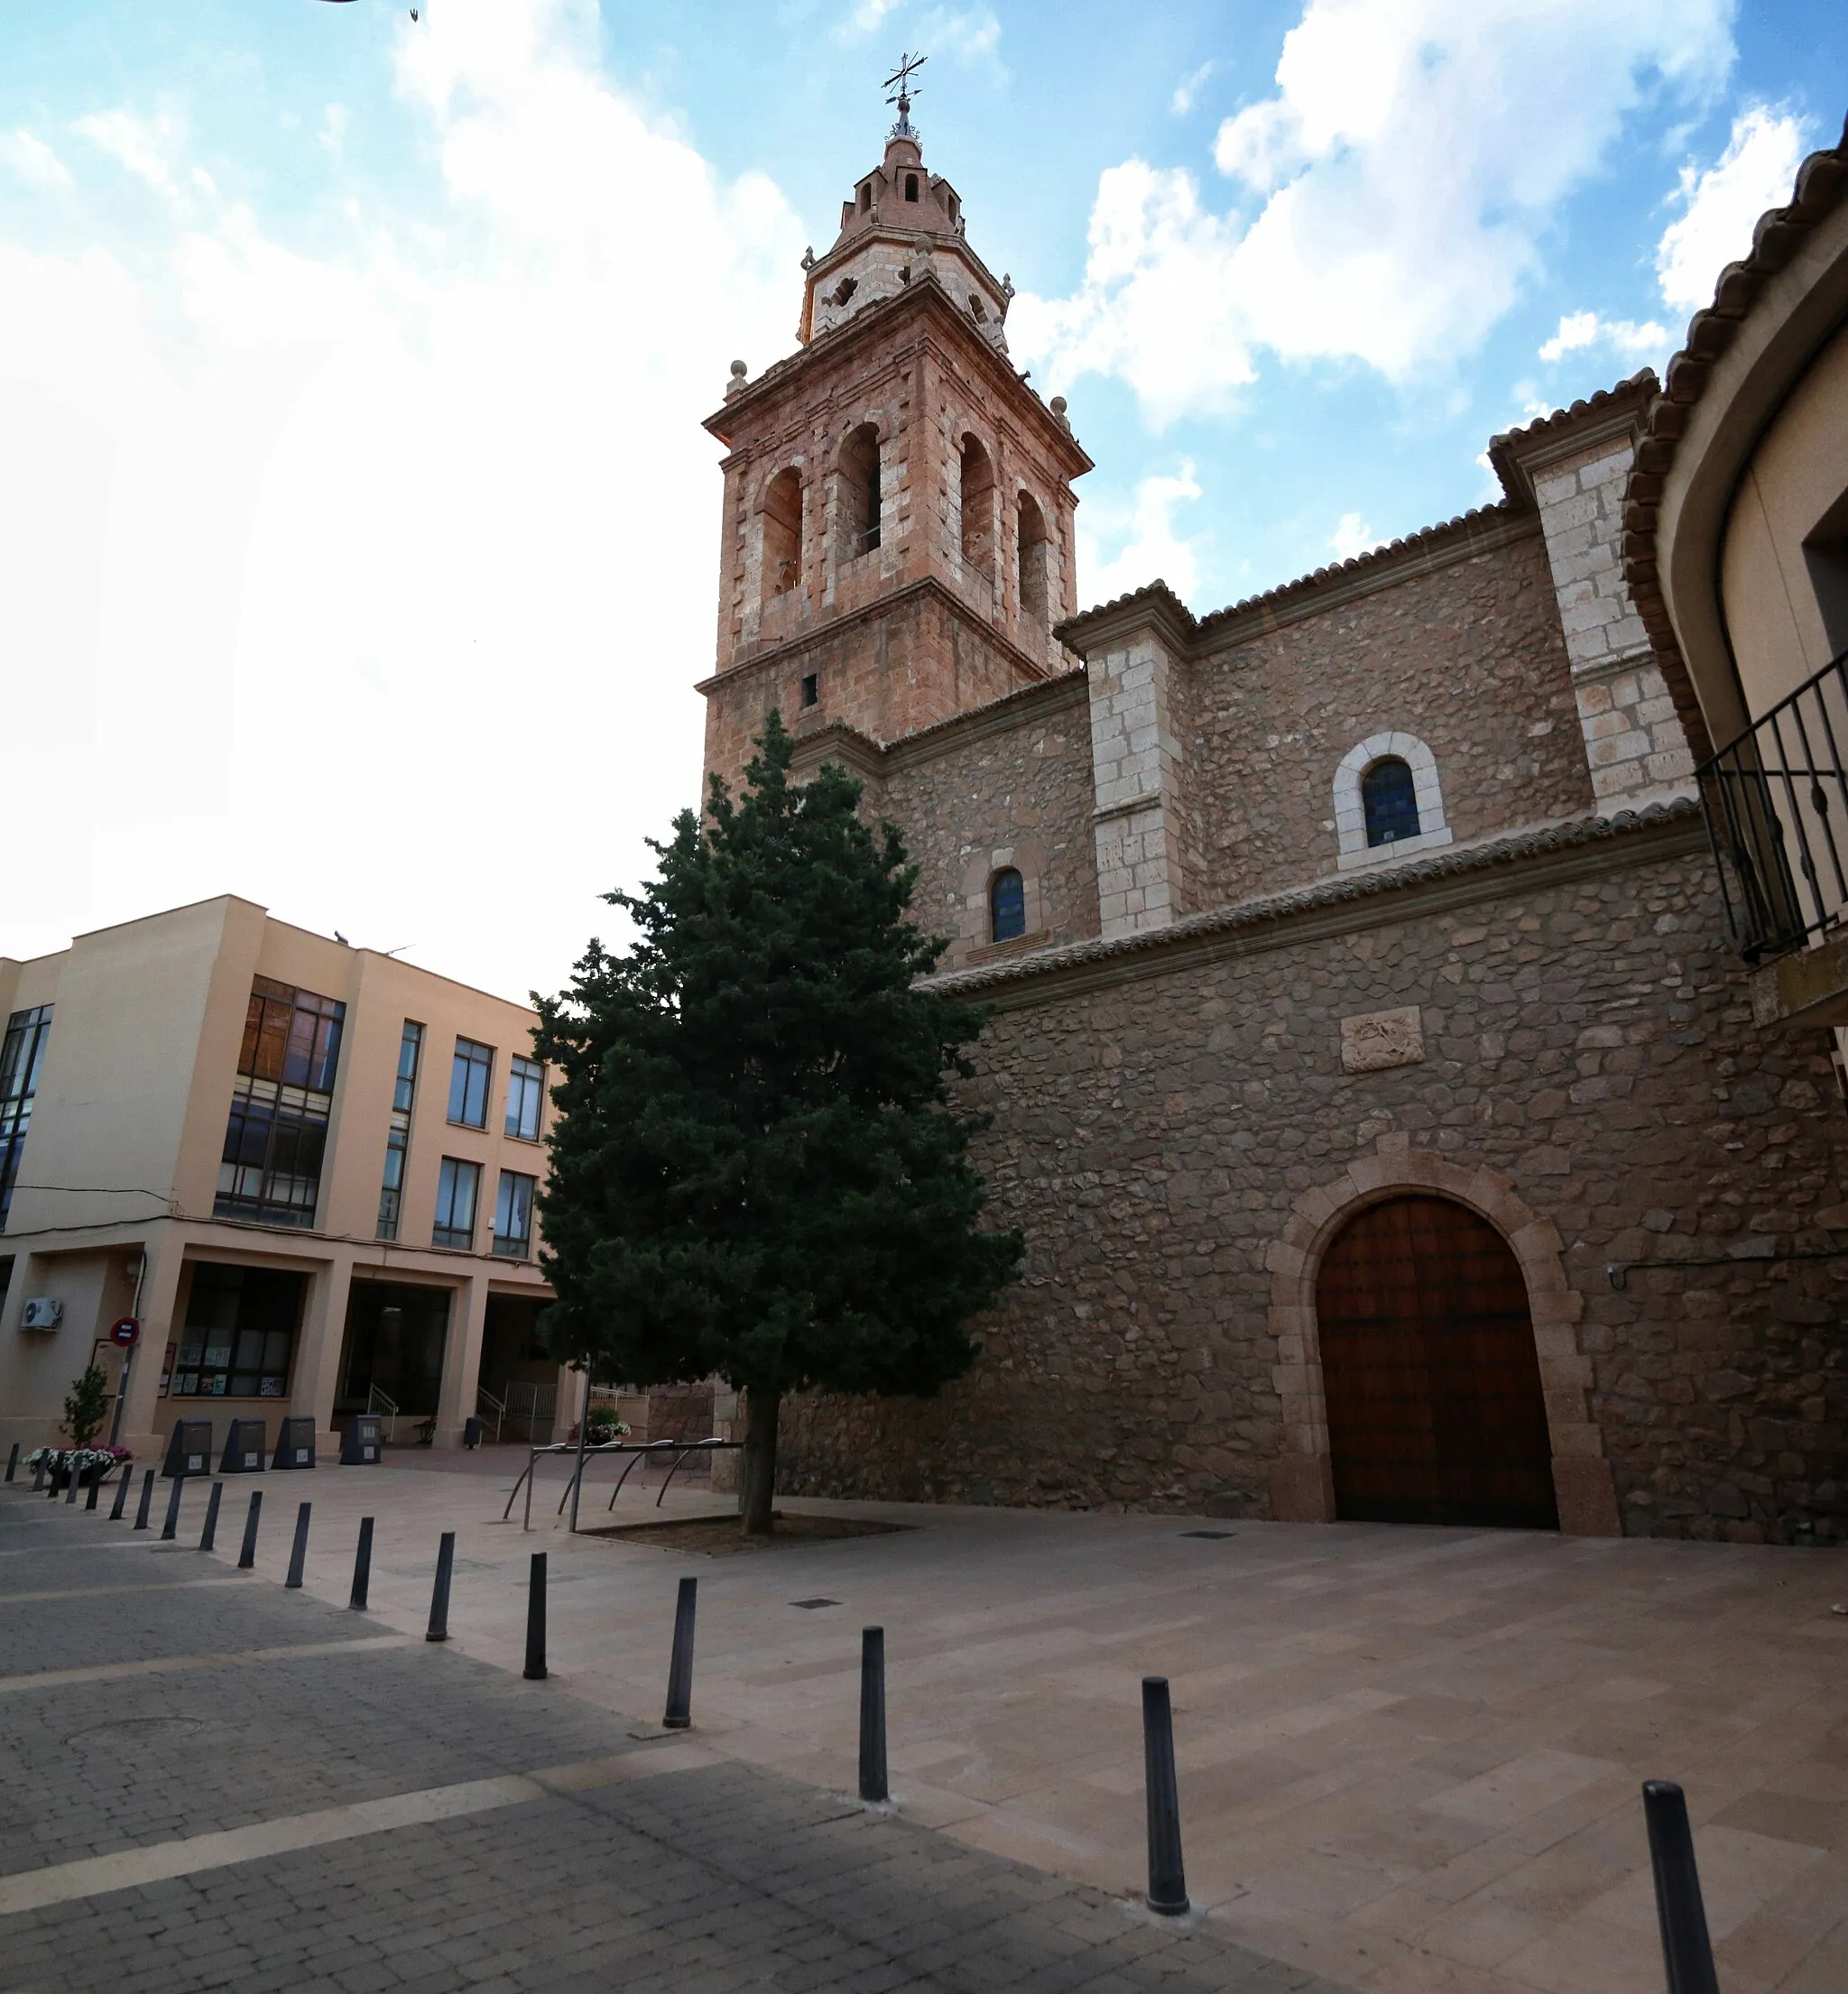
column 125, row 1332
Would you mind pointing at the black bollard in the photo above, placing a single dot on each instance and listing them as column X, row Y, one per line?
column 38, row 1475
column 297, row 1551
column 124, row 1482
column 209, row 1537
column 535, row 1620
column 362, row 1566
column 147, row 1499
column 170, row 1527
column 873, row 1779
column 90, row 1502
column 246, row 1558
column 1687, row 1954
column 1167, row 1883
column 13, row 1462
column 439, row 1594
column 679, row 1710
column 70, row 1494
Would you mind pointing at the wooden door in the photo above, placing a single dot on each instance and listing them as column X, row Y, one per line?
column 1434, row 1408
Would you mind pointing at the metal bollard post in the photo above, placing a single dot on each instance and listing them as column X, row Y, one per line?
column 246, row 1558
column 209, row 1537
column 679, row 1710
column 535, row 1620
column 39, row 1473
column 873, row 1779
column 13, row 1462
column 297, row 1551
column 124, row 1482
column 147, row 1499
column 439, row 1594
column 362, row 1566
column 1167, row 1883
column 90, row 1502
column 169, row 1528
column 70, row 1494
column 1687, row 1954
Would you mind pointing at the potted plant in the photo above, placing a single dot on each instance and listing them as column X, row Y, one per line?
column 87, row 1464
column 602, row 1426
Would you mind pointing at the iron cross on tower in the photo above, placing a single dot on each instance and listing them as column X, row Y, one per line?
column 909, row 66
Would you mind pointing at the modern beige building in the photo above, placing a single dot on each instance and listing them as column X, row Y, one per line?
column 307, row 1169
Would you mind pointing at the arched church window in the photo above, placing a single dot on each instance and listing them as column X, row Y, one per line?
column 782, row 533
column 977, row 481
column 1007, row 906
column 860, row 491
column 1389, row 797
column 1031, row 546
column 910, row 187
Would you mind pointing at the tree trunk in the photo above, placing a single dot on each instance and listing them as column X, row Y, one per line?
column 760, row 1461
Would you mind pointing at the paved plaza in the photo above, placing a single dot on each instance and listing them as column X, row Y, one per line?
column 1409, row 1760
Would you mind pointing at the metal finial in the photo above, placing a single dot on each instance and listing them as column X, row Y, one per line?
column 899, row 83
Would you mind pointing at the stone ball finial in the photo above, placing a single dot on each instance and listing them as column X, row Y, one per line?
column 1058, row 414
column 737, row 380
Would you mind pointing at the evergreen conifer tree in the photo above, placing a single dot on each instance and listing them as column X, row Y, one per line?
column 758, row 1170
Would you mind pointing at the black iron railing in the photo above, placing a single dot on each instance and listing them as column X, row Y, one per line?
column 1777, row 810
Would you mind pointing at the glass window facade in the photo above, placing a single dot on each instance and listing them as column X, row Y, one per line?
column 22, row 1054
column 239, row 1334
column 525, row 1099
column 398, row 1138
column 471, row 1079
column 513, row 1214
column 1389, row 799
column 458, row 1185
column 270, row 1170
column 1007, row 906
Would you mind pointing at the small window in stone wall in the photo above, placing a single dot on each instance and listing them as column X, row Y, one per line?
column 1007, row 906
column 1389, row 799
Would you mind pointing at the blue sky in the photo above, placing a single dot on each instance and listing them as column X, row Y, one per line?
column 358, row 534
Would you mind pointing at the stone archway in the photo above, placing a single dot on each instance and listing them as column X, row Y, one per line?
column 1302, row 1487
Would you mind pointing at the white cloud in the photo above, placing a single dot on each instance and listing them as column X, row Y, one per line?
column 32, row 160
column 866, row 17
column 1150, row 548
column 1581, row 331
column 1187, row 89
column 147, row 147
column 373, row 582
column 971, row 36
column 1722, row 205
column 332, row 136
column 1352, row 537
column 1403, row 176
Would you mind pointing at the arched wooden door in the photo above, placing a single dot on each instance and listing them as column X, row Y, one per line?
column 1434, row 1408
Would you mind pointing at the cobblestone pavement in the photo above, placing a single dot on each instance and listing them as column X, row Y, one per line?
column 222, row 1783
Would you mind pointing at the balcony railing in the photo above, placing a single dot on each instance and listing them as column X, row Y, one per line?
column 1777, row 810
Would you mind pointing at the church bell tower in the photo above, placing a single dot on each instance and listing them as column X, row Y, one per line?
column 897, row 539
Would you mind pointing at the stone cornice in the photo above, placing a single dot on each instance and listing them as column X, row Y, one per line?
column 1526, row 862
column 1424, row 553
column 880, row 605
column 1609, row 416
column 1007, row 715
column 878, row 324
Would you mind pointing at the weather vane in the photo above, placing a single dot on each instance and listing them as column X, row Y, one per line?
column 909, row 66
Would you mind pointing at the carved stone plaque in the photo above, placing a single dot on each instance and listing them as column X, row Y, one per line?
column 1382, row 1038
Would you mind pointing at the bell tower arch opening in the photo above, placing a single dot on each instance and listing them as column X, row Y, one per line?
column 859, row 492
column 1033, row 545
column 782, row 533
column 1429, row 1372
column 975, row 484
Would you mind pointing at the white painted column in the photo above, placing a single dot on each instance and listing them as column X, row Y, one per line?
column 321, row 1341
column 462, row 1359
column 160, row 1325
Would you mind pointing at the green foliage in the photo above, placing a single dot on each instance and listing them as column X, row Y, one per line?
column 758, row 1171
column 86, row 1406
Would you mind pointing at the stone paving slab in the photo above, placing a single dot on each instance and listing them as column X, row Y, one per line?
column 716, row 1876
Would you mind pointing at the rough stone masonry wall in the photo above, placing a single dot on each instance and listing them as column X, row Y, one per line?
column 1590, row 1041
column 1467, row 659
column 978, row 798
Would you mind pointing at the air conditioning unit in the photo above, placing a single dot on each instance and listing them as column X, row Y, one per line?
column 41, row 1312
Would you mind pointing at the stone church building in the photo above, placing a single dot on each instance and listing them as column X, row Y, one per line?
column 1375, row 1082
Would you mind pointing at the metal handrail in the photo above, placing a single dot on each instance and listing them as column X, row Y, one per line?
column 496, row 1408
column 1776, row 801
column 377, row 1401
